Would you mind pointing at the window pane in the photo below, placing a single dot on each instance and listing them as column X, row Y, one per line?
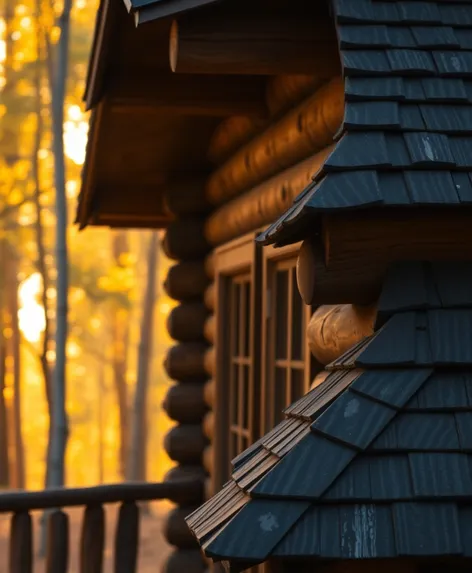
column 234, row 394
column 245, row 396
column 247, row 317
column 298, row 322
column 235, row 312
column 281, row 314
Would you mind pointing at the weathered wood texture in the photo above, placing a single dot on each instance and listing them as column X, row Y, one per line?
column 284, row 91
column 319, row 379
column 127, row 539
column 185, row 443
column 333, row 329
column 57, row 551
column 210, row 361
column 306, row 129
column 209, row 424
column 188, row 561
column 208, row 459
column 231, row 134
column 209, row 329
column 186, row 197
column 21, row 544
column 260, row 45
column 209, row 296
column 186, row 280
column 186, row 360
column 264, row 203
column 176, row 531
column 185, row 403
column 184, row 240
column 92, row 540
column 187, row 322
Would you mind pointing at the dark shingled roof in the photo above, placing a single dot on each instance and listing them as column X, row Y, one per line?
column 376, row 461
column 406, row 138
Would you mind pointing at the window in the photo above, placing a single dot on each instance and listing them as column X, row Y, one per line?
column 238, row 353
column 288, row 367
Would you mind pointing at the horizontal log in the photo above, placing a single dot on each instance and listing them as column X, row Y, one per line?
column 184, row 240
column 186, row 197
column 185, row 443
column 264, row 203
column 209, row 296
column 186, row 280
column 209, row 393
column 212, row 95
column 186, row 360
column 260, row 45
column 176, row 530
column 182, row 473
column 306, row 129
column 209, row 489
column 208, row 459
column 231, row 134
column 180, row 560
column 209, row 329
column 319, row 379
column 334, row 329
column 186, row 322
column 208, row 424
column 364, row 243
column 210, row 265
column 210, row 361
column 185, row 403
column 285, row 91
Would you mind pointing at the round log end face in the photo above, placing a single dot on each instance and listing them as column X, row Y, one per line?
column 185, row 444
column 176, row 530
column 320, row 378
column 174, row 45
column 306, row 272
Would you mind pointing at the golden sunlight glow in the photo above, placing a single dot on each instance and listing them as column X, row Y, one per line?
column 75, row 135
column 31, row 314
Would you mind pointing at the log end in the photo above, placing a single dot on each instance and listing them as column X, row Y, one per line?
column 306, row 267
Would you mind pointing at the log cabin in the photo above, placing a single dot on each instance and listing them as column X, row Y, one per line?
column 336, row 134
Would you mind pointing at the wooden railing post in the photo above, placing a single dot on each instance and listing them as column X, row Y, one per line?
column 21, row 544
column 126, row 539
column 57, row 555
column 92, row 540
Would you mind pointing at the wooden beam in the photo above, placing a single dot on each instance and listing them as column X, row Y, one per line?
column 350, row 265
column 210, row 95
column 268, row 44
column 334, row 328
column 306, row 129
column 264, row 203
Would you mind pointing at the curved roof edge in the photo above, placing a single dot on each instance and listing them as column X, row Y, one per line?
column 406, row 138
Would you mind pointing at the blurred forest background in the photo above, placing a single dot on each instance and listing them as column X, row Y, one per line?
column 108, row 277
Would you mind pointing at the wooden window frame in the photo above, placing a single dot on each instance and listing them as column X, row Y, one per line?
column 272, row 260
column 233, row 259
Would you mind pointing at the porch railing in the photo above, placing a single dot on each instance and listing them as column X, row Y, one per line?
column 92, row 541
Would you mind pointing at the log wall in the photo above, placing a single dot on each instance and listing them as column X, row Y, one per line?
column 187, row 282
column 261, row 167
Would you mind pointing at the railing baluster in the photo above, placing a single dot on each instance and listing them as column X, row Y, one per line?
column 92, row 540
column 126, row 539
column 21, row 543
column 57, row 556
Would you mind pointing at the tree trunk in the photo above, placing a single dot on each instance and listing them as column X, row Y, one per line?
column 4, row 460
column 58, row 394
column 120, row 334
column 101, row 428
column 137, row 459
column 14, row 343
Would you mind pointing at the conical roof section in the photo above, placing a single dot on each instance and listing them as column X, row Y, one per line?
column 375, row 462
column 406, row 138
